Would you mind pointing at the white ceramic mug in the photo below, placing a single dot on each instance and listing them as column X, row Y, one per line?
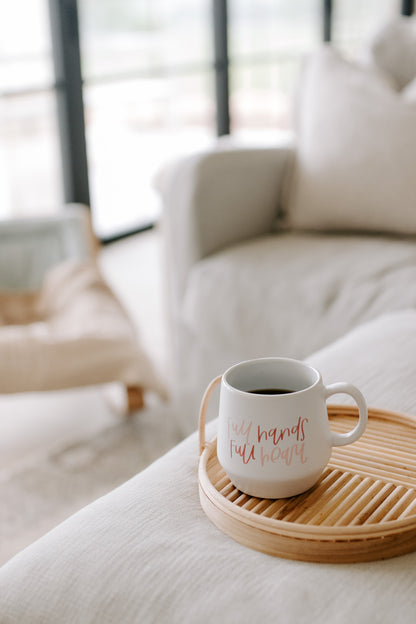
column 275, row 445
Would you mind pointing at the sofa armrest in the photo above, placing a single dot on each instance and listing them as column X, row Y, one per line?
column 217, row 198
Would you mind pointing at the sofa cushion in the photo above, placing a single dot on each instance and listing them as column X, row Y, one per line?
column 379, row 357
column 290, row 294
column 393, row 49
column 356, row 148
column 147, row 553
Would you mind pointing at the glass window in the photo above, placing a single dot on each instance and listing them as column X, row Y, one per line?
column 30, row 175
column 147, row 99
column 260, row 100
column 25, row 45
column 267, row 41
column 30, row 171
column 133, row 128
column 264, row 27
column 148, row 74
column 119, row 36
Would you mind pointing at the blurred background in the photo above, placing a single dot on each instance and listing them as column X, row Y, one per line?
column 96, row 95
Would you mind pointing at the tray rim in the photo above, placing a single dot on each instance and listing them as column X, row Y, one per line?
column 295, row 530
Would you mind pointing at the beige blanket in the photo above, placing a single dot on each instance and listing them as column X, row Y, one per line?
column 72, row 332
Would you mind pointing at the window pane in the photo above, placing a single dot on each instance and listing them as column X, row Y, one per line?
column 147, row 99
column 30, row 174
column 133, row 128
column 25, row 45
column 268, row 40
column 354, row 22
column 270, row 26
column 121, row 36
column 260, row 101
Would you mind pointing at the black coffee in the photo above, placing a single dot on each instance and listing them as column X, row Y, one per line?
column 271, row 391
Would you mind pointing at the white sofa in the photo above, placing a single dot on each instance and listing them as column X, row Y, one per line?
column 281, row 250
column 261, row 292
column 146, row 553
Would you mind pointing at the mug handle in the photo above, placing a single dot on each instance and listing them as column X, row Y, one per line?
column 203, row 411
column 340, row 439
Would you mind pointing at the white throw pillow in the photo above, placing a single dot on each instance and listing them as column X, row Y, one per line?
column 393, row 49
column 356, row 150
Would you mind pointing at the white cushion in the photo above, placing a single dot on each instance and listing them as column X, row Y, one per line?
column 147, row 553
column 356, row 149
column 290, row 294
column 393, row 49
column 379, row 357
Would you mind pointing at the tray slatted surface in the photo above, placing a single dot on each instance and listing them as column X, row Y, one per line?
column 362, row 508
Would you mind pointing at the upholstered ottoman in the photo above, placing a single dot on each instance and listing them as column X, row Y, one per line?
column 147, row 553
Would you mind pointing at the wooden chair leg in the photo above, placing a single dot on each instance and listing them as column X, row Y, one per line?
column 135, row 398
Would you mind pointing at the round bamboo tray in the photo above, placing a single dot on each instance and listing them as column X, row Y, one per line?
column 363, row 507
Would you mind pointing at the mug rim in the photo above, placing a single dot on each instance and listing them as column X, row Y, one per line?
column 271, row 359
